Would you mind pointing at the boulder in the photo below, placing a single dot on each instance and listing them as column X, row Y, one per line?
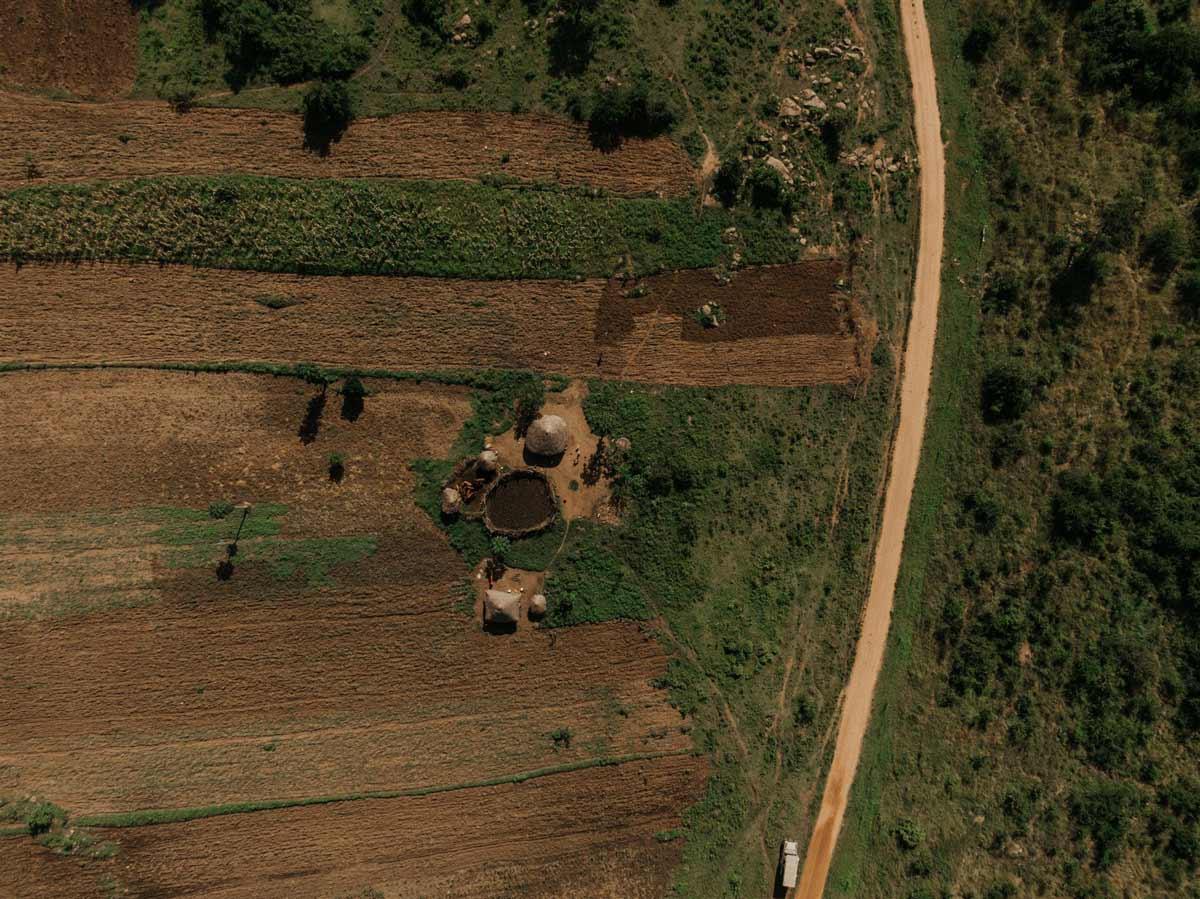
column 451, row 501
column 790, row 109
column 815, row 102
column 623, row 444
column 780, row 166
column 547, row 436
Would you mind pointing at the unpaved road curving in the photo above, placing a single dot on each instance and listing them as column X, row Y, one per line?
column 906, row 452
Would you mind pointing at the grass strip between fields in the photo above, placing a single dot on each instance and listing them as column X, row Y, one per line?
column 329, row 227
column 146, row 817
column 479, row 379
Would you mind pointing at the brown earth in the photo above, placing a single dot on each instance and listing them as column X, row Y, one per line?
column 205, row 691
column 584, row 833
column 786, row 325
column 88, row 141
column 87, row 47
column 591, row 494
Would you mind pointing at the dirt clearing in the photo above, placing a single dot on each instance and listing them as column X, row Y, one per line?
column 786, row 326
column 89, row 141
column 87, row 47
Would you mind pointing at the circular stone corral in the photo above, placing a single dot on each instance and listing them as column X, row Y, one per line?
column 518, row 503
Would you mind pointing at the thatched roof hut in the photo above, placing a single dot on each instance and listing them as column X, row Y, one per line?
column 451, row 501
column 501, row 607
column 537, row 606
column 547, row 436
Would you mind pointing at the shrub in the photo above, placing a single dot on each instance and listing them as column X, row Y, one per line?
column 1103, row 811
column 1007, row 393
column 500, row 548
column 219, row 508
column 1081, row 510
column 337, row 467
column 328, row 112
column 561, row 737
column 572, row 36
column 909, row 834
column 1166, row 246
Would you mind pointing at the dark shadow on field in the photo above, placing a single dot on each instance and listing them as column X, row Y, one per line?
column 311, row 424
column 497, row 630
column 352, row 407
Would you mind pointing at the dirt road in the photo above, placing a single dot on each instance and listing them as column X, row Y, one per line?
column 906, row 452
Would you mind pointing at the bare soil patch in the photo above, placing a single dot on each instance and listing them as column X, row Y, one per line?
column 786, row 325
column 87, row 47
column 580, row 494
column 549, row 837
column 89, row 141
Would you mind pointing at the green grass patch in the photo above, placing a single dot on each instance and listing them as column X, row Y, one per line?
column 444, row 229
column 589, row 584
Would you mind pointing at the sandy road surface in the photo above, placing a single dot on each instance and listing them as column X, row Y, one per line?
column 906, row 452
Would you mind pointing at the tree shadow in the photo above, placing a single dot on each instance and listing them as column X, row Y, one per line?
column 352, row 406
column 224, row 569
column 311, row 424
column 337, row 471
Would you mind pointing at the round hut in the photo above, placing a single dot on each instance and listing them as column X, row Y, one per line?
column 547, row 436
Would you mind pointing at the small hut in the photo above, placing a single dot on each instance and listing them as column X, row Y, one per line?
column 488, row 462
column 451, row 501
column 547, row 436
column 500, row 607
column 537, row 605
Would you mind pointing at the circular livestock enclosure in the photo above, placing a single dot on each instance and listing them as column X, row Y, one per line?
column 518, row 503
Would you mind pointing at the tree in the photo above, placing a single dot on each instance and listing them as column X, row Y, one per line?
column 353, row 393
column 728, row 181
column 1188, row 291
column 328, row 112
column 572, row 36
column 1007, row 393
column 645, row 107
column 767, row 190
column 980, row 39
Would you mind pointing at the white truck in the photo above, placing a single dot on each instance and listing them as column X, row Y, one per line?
column 789, row 866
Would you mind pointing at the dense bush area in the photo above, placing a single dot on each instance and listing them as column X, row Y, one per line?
column 1055, row 651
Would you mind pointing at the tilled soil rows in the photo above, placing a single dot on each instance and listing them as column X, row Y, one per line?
column 785, row 325
column 584, row 833
column 89, row 141
column 87, row 47
column 134, row 684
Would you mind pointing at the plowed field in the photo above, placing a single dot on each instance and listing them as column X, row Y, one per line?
column 84, row 46
column 577, row 834
column 89, row 141
column 785, row 325
column 132, row 681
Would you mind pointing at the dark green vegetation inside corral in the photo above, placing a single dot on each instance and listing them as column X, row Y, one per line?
column 369, row 227
column 1046, row 616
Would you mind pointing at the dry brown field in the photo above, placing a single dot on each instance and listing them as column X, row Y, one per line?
column 135, row 138
column 84, row 46
column 134, row 683
column 586, row 833
column 786, row 325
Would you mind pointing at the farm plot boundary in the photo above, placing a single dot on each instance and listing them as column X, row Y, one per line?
column 69, row 142
column 786, row 326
